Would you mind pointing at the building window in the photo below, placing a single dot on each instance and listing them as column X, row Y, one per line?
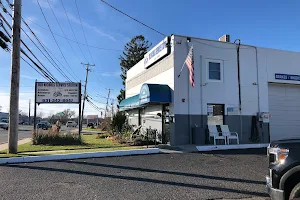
column 215, row 114
column 214, row 71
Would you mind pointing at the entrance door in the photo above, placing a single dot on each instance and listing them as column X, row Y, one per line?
column 215, row 114
column 165, row 124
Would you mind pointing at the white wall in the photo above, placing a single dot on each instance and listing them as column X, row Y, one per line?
column 225, row 92
column 256, row 70
column 136, row 69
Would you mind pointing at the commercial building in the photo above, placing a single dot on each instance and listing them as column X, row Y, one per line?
column 253, row 90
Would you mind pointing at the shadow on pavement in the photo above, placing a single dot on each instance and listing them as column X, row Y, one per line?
column 149, row 180
column 165, row 172
column 260, row 151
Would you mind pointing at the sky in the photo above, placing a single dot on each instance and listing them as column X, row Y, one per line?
column 272, row 24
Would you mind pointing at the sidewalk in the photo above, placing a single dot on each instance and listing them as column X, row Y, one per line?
column 5, row 145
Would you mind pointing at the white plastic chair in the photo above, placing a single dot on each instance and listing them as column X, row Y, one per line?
column 229, row 135
column 213, row 132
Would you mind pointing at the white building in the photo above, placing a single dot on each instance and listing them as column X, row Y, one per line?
column 233, row 84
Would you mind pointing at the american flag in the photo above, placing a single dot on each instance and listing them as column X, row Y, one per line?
column 189, row 61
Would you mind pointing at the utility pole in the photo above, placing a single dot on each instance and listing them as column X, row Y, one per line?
column 14, row 79
column 29, row 121
column 112, row 107
column 84, row 95
column 106, row 109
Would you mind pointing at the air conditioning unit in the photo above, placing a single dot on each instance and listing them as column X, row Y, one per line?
column 225, row 38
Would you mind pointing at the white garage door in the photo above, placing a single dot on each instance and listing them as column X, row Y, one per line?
column 284, row 106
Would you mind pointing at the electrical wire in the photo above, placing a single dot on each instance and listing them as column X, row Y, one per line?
column 133, row 18
column 63, row 31
column 83, row 30
column 96, row 47
column 43, row 46
column 72, row 30
column 56, row 40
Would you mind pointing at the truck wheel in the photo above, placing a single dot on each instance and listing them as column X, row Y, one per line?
column 295, row 192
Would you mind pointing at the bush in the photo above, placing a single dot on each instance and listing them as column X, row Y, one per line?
column 52, row 138
column 118, row 121
column 106, row 124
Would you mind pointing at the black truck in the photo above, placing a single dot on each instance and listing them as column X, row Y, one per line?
column 283, row 179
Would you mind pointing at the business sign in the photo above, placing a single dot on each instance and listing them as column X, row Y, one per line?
column 92, row 117
column 46, row 92
column 158, row 52
column 289, row 77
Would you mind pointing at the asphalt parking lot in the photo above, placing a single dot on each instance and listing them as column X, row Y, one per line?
column 215, row 175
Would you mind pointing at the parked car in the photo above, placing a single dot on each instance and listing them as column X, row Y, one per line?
column 71, row 124
column 4, row 124
column 90, row 125
column 43, row 125
column 283, row 180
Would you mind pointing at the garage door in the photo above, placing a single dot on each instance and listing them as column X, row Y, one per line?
column 284, row 107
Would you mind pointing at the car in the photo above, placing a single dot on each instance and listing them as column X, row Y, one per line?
column 283, row 180
column 71, row 124
column 4, row 124
column 43, row 125
column 90, row 125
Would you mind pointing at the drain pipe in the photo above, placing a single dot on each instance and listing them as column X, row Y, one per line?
column 239, row 82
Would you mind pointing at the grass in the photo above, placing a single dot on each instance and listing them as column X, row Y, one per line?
column 92, row 144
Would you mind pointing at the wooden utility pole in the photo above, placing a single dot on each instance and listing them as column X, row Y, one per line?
column 106, row 109
column 84, row 95
column 14, row 79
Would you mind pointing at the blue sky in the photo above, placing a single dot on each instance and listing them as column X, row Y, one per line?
column 273, row 24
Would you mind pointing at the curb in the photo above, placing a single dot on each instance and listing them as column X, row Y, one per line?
column 27, row 159
column 229, row 147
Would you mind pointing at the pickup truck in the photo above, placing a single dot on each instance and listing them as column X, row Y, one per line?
column 283, row 179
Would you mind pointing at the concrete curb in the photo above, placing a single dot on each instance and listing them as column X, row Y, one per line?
column 229, row 147
column 27, row 159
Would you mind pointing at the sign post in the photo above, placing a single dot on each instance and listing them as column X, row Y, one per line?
column 57, row 93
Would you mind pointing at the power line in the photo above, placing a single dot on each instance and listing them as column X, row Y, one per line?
column 55, row 40
column 63, row 31
column 133, row 18
column 83, row 31
column 88, row 45
column 42, row 45
column 72, row 30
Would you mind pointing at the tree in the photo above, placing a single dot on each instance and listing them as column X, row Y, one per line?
column 68, row 113
column 134, row 51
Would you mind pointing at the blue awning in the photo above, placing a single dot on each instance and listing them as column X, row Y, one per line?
column 149, row 94
column 130, row 103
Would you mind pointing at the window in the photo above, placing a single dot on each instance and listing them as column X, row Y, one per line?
column 214, row 70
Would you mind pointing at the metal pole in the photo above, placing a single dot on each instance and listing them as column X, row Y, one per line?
column 15, row 80
column 79, row 115
column 34, row 118
column 29, row 121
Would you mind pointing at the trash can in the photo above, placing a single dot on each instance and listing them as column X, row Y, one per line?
column 198, row 135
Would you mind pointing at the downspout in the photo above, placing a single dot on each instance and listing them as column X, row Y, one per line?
column 239, row 84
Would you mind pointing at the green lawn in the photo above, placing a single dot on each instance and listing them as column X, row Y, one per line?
column 91, row 142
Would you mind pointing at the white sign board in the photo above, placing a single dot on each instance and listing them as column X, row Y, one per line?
column 157, row 52
column 57, row 92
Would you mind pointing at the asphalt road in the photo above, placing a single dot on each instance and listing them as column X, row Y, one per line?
column 161, row 176
column 24, row 132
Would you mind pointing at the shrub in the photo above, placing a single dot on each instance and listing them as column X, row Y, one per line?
column 106, row 124
column 118, row 121
column 52, row 138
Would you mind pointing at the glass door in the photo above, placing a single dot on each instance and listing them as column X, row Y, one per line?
column 215, row 114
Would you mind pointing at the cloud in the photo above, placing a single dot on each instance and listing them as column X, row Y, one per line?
column 28, row 77
column 110, row 74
